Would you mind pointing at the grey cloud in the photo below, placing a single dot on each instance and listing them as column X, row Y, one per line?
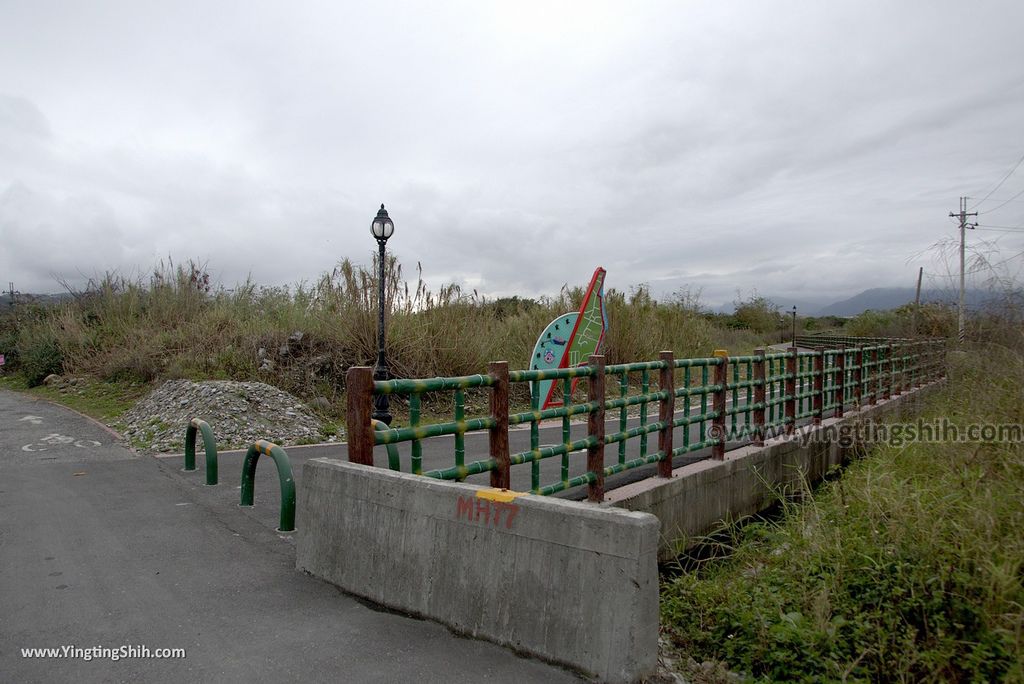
column 726, row 145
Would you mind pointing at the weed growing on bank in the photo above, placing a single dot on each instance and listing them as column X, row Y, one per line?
column 910, row 567
column 303, row 339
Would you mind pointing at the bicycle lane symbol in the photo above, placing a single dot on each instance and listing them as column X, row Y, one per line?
column 56, row 439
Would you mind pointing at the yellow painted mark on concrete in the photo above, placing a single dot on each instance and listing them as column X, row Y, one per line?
column 500, row 495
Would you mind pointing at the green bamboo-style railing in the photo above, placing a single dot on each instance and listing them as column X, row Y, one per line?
column 728, row 400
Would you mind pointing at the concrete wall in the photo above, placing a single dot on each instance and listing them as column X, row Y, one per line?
column 703, row 495
column 570, row 582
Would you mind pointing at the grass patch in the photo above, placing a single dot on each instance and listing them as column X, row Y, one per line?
column 104, row 401
column 908, row 568
column 303, row 339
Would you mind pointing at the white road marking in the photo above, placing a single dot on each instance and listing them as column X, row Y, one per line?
column 35, row 420
column 56, row 439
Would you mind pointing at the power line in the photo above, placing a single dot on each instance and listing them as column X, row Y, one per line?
column 1000, row 199
column 998, row 206
column 941, row 275
column 1000, row 183
column 998, row 263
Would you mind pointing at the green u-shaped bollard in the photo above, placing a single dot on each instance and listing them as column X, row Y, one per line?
column 284, row 473
column 209, row 444
column 393, row 462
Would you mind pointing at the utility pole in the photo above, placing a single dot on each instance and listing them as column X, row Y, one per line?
column 963, row 229
column 13, row 293
column 917, row 302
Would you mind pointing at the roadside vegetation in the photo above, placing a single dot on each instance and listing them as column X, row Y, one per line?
column 910, row 567
column 173, row 324
column 120, row 336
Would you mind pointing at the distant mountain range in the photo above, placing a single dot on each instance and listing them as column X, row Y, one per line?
column 875, row 299
column 878, row 299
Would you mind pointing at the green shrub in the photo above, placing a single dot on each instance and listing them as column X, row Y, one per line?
column 39, row 354
column 908, row 568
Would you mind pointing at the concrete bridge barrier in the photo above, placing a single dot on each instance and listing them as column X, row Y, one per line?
column 570, row 582
column 701, row 496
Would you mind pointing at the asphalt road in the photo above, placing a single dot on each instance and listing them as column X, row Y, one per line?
column 100, row 547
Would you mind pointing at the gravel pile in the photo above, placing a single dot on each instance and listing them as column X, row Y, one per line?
column 239, row 413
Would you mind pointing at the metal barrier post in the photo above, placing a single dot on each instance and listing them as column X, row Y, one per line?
column 284, row 474
column 595, row 428
column 209, row 446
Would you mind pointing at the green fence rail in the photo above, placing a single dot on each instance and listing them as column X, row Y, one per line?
column 209, row 444
column 835, row 341
column 284, row 474
column 720, row 399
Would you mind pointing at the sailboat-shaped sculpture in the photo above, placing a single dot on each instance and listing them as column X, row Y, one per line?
column 570, row 339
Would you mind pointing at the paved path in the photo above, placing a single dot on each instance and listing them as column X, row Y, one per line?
column 102, row 547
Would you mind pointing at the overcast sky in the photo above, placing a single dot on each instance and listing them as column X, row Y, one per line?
column 806, row 149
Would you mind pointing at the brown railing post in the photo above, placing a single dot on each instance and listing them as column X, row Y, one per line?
column 595, row 429
column 359, row 388
column 922, row 363
column 840, row 395
column 818, row 402
column 905, row 376
column 666, row 411
column 718, row 404
column 790, row 403
column 500, row 477
column 897, row 361
column 759, row 397
column 873, row 379
column 888, row 375
column 928, row 366
column 858, row 375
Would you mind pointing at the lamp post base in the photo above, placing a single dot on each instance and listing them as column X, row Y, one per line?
column 381, row 403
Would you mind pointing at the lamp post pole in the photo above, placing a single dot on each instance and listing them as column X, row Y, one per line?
column 382, row 228
column 794, row 325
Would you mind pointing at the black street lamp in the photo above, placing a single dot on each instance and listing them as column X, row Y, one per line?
column 382, row 228
column 794, row 324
